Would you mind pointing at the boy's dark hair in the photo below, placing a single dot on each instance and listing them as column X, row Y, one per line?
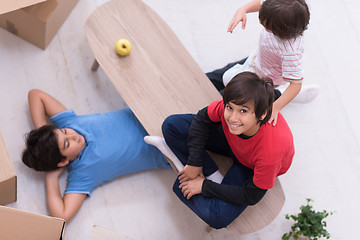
column 286, row 19
column 247, row 86
column 42, row 152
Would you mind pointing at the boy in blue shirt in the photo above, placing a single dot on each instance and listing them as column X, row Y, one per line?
column 95, row 148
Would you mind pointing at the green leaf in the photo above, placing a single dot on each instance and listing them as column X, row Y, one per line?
column 308, row 223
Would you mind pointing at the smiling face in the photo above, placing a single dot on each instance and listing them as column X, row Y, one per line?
column 70, row 143
column 241, row 119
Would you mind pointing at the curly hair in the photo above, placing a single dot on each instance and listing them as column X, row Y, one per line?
column 42, row 152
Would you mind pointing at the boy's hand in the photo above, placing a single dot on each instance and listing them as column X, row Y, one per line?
column 192, row 187
column 240, row 16
column 274, row 116
column 55, row 173
column 290, row 92
column 189, row 172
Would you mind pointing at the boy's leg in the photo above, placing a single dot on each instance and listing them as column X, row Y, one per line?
column 216, row 76
column 213, row 145
column 215, row 212
column 176, row 130
column 277, row 94
column 306, row 94
column 160, row 143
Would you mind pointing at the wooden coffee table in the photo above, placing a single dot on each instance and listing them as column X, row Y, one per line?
column 160, row 78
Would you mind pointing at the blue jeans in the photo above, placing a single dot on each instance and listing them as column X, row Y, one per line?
column 215, row 212
column 216, row 77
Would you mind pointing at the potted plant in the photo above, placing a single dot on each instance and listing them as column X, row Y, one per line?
column 309, row 224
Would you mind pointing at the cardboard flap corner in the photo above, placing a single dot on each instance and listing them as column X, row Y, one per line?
column 11, row 5
column 33, row 226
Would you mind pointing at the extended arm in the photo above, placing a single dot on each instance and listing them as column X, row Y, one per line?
column 240, row 15
column 66, row 207
column 42, row 105
column 289, row 94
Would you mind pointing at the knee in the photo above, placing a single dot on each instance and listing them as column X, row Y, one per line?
column 217, row 221
column 211, row 210
column 217, row 224
column 204, row 209
column 168, row 124
column 176, row 126
column 221, row 214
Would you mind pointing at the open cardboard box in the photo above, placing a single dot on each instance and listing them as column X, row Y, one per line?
column 36, row 21
column 99, row 233
column 19, row 225
column 7, row 175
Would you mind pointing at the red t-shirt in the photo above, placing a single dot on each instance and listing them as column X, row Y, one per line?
column 269, row 152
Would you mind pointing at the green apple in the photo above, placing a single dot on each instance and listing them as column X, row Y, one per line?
column 123, row 47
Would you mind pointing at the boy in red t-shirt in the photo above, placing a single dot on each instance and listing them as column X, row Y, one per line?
column 236, row 127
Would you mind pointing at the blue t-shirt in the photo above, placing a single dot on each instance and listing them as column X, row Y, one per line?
column 114, row 147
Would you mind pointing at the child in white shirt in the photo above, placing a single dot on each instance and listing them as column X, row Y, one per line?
column 280, row 49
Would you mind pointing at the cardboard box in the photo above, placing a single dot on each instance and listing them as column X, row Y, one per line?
column 99, row 233
column 19, row 225
column 33, row 21
column 7, row 175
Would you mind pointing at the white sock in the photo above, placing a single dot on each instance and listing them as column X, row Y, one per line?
column 216, row 177
column 160, row 143
column 306, row 94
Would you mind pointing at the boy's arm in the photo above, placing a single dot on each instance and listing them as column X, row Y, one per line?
column 199, row 131
column 240, row 15
column 66, row 207
column 249, row 194
column 42, row 105
column 289, row 94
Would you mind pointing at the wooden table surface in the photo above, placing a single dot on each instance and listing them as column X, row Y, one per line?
column 159, row 77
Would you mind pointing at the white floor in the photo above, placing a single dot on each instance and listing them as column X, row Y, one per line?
column 326, row 167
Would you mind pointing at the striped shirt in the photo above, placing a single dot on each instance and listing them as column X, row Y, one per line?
column 278, row 59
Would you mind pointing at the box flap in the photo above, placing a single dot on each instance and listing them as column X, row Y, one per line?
column 11, row 5
column 19, row 225
column 99, row 233
column 7, row 169
column 8, row 182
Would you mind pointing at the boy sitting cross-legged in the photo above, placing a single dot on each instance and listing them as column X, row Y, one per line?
column 238, row 127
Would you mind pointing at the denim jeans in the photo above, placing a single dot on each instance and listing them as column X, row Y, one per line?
column 216, row 77
column 215, row 212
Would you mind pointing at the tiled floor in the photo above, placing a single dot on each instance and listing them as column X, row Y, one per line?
column 326, row 167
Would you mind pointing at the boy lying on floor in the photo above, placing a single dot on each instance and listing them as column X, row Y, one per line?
column 95, row 148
